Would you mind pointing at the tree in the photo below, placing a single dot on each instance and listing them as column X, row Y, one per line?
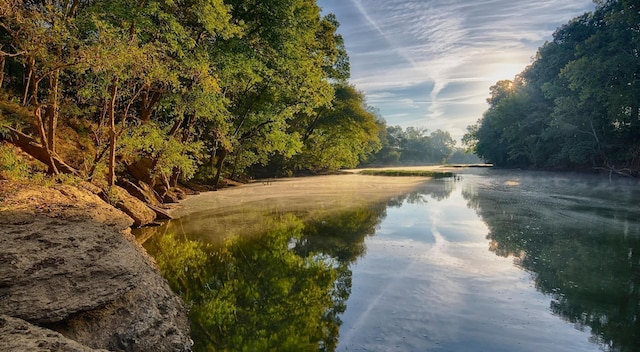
column 271, row 74
column 342, row 135
column 576, row 105
column 44, row 40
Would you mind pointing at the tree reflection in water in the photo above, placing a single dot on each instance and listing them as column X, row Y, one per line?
column 284, row 289
column 581, row 250
column 281, row 290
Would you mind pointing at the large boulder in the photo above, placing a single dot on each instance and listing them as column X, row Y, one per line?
column 66, row 266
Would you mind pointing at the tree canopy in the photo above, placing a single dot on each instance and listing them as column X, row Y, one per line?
column 416, row 146
column 166, row 90
column 577, row 105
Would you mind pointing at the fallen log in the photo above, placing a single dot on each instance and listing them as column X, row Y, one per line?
column 33, row 148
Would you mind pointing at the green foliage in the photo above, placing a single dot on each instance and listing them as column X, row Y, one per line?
column 413, row 146
column 577, row 105
column 339, row 136
column 237, row 81
column 12, row 166
column 11, row 113
column 153, row 142
column 253, row 295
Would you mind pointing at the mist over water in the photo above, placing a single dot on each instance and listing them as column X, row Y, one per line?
column 497, row 261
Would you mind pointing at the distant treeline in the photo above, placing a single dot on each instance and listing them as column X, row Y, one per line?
column 416, row 146
column 161, row 91
column 577, row 105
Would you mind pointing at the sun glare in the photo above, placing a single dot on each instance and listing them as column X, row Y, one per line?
column 500, row 71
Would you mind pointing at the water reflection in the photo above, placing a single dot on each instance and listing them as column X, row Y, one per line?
column 580, row 240
column 283, row 289
column 415, row 272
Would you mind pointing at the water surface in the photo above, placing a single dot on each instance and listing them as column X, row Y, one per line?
column 498, row 261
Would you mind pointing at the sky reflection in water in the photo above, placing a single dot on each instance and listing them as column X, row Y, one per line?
column 500, row 261
column 428, row 282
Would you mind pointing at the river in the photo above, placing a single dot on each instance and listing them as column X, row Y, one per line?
column 493, row 261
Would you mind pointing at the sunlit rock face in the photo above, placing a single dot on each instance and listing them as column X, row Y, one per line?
column 66, row 266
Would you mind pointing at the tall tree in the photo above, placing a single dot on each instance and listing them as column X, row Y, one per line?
column 577, row 104
column 272, row 73
column 342, row 135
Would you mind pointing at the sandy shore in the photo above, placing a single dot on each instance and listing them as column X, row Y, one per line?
column 306, row 193
column 332, row 191
column 247, row 209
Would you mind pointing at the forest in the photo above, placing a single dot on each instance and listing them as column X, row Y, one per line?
column 577, row 105
column 150, row 93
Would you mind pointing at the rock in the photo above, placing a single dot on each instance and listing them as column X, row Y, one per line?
column 141, row 170
column 157, row 323
column 199, row 187
column 187, row 191
column 65, row 267
column 62, row 201
column 142, row 191
column 17, row 335
column 161, row 214
column 170, row 197
column 53, row 268
column 131, row 206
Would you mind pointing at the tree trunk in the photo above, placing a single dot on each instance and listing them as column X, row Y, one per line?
column 186, row 134
column 111, row 175
column 31, row 147
column 222, row 155
column 2, row 61
column 27, row 84
column 175, row 176
column 235, row 163
column 52, row 111
column 43, row 139
column 149, row 101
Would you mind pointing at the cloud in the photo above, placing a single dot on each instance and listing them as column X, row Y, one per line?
column 431, row 62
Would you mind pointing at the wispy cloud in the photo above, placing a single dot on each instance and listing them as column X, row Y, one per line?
column 430, row 63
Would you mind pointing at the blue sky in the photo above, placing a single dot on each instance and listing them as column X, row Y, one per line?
column 430, row 63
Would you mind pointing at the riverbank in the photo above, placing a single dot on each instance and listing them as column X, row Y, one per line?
column 311, row 192
column 72, row 277
column 300, row 192
column 249, row 208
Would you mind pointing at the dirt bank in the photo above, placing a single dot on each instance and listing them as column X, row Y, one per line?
column 68, row 263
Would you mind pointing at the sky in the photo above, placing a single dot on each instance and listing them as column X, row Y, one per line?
column 430, row 63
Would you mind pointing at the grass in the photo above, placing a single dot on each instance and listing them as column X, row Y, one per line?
column 420, row 173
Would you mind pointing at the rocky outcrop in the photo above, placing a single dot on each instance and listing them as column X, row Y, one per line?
column 17, row 335
column 141, row 190
column 130, row 205
column 69, row 264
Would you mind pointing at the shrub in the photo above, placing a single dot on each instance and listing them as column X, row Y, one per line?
column 13, row 166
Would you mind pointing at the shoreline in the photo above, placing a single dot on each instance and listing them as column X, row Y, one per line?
column 73, row 275
column 328, row 189
column 319, row 187
column 248, row 208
